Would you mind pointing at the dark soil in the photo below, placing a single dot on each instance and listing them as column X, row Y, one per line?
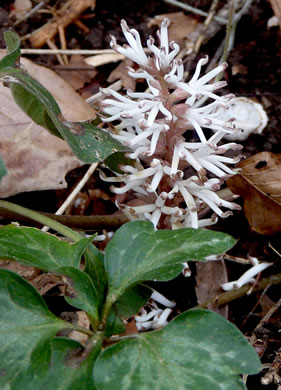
column 258, row 50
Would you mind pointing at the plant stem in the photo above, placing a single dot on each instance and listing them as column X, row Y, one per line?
column 106, row 309
column 34, row 215
column 230, row 296
column 84, row 222
column 80, row 329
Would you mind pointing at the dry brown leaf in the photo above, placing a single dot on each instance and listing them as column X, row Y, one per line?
column 259, row 183
column 103, row 59
column 121, row 73
column 77, row 78
column 82, row 321
column 45, row 282
column 37, row 160
column 180, row 25
column 63, row 93
column 29, row 273
column 210, row 276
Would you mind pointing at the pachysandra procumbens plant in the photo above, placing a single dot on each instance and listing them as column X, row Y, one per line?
column 175, row 141
column 197, row 349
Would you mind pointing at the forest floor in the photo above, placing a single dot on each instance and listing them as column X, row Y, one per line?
column 254, row 71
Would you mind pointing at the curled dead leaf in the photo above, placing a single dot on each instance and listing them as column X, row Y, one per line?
column 180, row 25
column 259, row 183
column 210, row 276
column 35, row 159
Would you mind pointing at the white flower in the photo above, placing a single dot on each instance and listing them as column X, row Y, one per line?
column 152, row 125
column 246, row 278
column 156, row 317
column 153, row 211
column 135, row 51
column 163, row 58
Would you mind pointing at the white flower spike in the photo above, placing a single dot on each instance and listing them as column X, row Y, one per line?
column 168, row 131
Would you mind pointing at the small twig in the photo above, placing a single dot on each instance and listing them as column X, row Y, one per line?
column 83, row 52
column 30, row 13
column 230, row 296
column 265, row 319
column 96, row 97
column 197, row 45
column 69, row 11
column 231, row 29
column 275, row 250
column 235, row 259
column 195, row 11
column 83, row 222
column 53, row 46
column 260, row 325
column 63, row 42
column 74, row 193
column 255, row 306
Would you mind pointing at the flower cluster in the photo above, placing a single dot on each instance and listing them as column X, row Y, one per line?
column 175, row 141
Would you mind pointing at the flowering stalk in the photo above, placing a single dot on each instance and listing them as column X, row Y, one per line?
column 175, row 142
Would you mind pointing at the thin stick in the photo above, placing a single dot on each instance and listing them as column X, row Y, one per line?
column 30, row 13
column 265, row 319
column 70, row 10
column 230, row 296
column 275, row 250
column 235, row 259
column 94, row 98
column 74, row 193
column 195, row 10
column 196, row 47
column 58, row 55
column 63, row 42
column 83, row 222
column 83, row 52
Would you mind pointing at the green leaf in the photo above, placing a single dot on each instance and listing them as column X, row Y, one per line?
column 92, row 144
column 126, row 306
column 26, row 329
column 114, row 324
column 95, row 269
column 114, row 161
column 32, row 105
column 198, row 350
column 81, row 292
column 35, row 248
column 137, row 253
column 88, row 142
column 13, row 50
column 64, row 371
column 3, row 169
column 132, row 300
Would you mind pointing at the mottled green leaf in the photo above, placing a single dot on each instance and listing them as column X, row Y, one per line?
column 132, row 300
column 126, row 306
column 95, row 269
column 114, row 324
column 13, row 50
column 81, row 292
column 3, row 169
column 88, row 142
column 26, row 329
column 199, row 350
column 35, row 248
column 137, row 253
column 65, row 371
